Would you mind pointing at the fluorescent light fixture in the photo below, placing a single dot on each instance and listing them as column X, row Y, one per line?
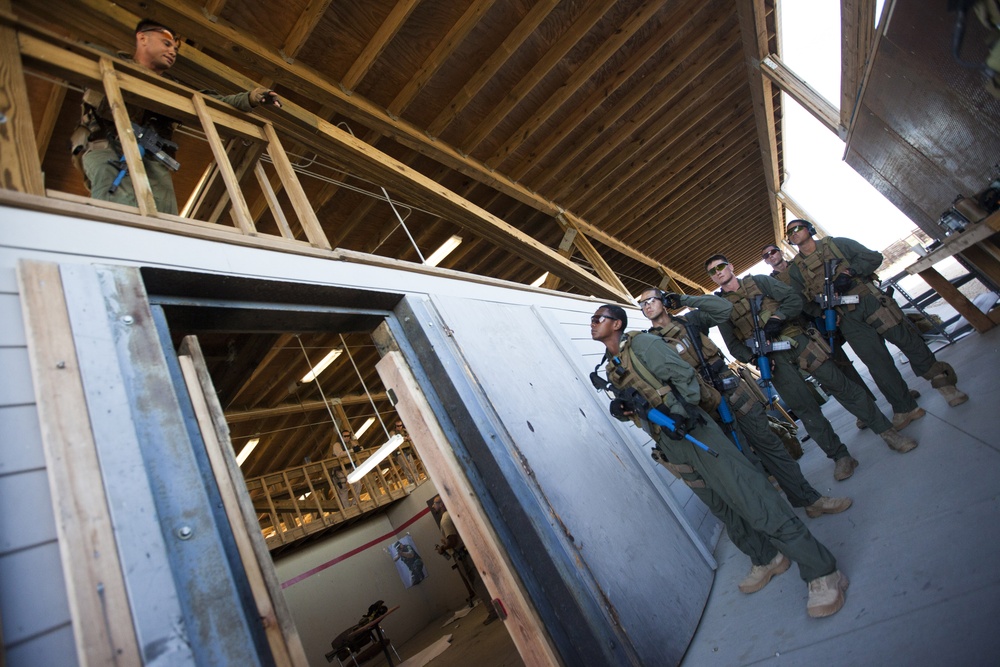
column 321, row 366
column 364, row 427
column 443, row 251
column 540, row 279
column 380, row 455
column 245, row 452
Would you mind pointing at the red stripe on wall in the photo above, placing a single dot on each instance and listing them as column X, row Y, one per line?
column 352, row 552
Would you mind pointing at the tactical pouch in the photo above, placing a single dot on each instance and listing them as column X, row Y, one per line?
column 742, row 399
column 710, row 397
column 815, row 354
column 888, row 315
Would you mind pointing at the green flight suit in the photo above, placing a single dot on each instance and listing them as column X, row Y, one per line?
column 786, row 366
column 840, row 357
column 735, row 491
column 860, row 323
column 751, row 421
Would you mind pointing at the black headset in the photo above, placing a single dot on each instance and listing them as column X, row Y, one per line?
column 809, row 225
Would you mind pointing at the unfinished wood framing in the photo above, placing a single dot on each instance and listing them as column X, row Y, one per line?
column 523, row 623
column 857, row 36
column 279, row 628
column 95, row 584
column 800, row 91
column 755, row 48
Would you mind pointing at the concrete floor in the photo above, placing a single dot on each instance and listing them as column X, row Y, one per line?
column 472, row 643
column 920, row 544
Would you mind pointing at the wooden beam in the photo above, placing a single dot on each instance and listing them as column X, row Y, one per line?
column 303, row 28
column 523, row 622
column 50, row 116
column 753, row 29
column 577, row 79
column 225, row 39
column 598, row 263
column 445, row 48
column 102, row 621
column 795, row 87
column 590, row 14
column 239, row 209
column 19, row 162
column 566, row 248
column 957, row 243
column 857, row 36
column 272, row 611
column 488, row 69
column 957, row 300
column 390, row 26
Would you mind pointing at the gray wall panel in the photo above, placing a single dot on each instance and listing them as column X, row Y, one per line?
column 16, row 385
column 32, row 593
column 20, row 442
column 16, row 491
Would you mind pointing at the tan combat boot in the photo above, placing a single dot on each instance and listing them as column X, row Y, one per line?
column 827, row 505
column 844, row 467
column 826, row 594
column 760, row 575
column 901, row 420
column 898, row 441
column 953, row 395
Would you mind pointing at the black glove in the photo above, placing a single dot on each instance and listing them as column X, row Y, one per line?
column 843, row 282
column 773, row 327
column 618, row 408
column 672, row 300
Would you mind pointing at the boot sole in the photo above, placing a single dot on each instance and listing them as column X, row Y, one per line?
column 958, row 401
column 832, row 608
column 779, row 569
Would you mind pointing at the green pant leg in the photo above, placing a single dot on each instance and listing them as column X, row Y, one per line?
column 846, row 367
column 101, row 174
column 870, row 347
column 775, row 458
column 913, row 346
column 161, row 182
column 851, row 396
column 753, row 498
column 747, row 539
column 795, row 392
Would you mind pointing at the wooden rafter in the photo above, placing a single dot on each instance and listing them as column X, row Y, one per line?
column 591, row 14
column 594, row 156
column 857, row 35
column 576, row 80
column 672, row 24
column 795, row 87
column 492, row 65
column 303, row 28
column 753, row 29
column 222, row 38
column 458, row 32
column 390, row 26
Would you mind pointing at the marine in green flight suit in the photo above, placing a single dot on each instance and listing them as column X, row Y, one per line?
column 646, row 363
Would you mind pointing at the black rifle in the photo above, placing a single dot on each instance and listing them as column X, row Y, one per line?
column 709, row 373
column 761, row 347
column 149, row 142
column 630, row 400
column 829, row 298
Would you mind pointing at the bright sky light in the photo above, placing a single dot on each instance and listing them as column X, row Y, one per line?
column 817, row 177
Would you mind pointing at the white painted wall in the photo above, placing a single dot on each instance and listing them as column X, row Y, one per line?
column 33, row 604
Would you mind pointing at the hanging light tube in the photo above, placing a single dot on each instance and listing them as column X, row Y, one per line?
column 438, row 255
column 314, row 371
column 380, row 455
column 364, row 427
column 245, row 452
